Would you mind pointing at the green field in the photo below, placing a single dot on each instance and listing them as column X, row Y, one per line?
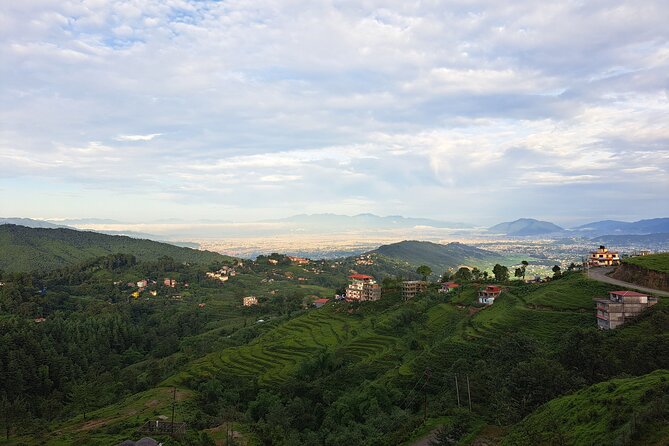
column 654, row 262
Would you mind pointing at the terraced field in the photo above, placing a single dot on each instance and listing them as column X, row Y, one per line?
column 277, row 354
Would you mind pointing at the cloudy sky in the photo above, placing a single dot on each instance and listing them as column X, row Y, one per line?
column 239, row 110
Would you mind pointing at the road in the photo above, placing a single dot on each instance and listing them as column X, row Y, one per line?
column 600, row 275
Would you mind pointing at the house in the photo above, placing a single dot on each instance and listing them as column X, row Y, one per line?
column 320, row 302
column 362, row 287
column 154, row 293
column 169, row 282
column 201, row 305
column 250, row 301
column 488, row 294
column 142, row 283
column 412, row 287
column 620, row 307
column 603, row 257
column 272, row 261
column 447, row 287
column 298, row 260
column 39, row 320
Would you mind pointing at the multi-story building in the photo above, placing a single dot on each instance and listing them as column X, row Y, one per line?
column 488, row 294
column 362, row 287
column 603, row 257
column 412, row 287
column 620, row 307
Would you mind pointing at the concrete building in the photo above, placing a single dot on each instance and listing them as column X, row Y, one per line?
column 362, row 287
column 412, row 287
column 620, row 307
column 603, row 257
column 250, row 300
column 488, row 294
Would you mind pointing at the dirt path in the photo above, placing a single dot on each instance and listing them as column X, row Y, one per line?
column 600, row 274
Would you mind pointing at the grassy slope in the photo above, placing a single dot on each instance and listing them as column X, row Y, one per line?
column 655, row 262
column 26, row 249
column 620, row 411
column 440, row 257
column 541, row 311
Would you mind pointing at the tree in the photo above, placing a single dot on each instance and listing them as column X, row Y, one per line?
column 556, row 272
column 518, row 273
column 446, row 276
column 485, row 275
column 424, row 271
column 463, row 273
column 12, row 413
column 476, row 274
column 525, row 264
column 450, row 434
column 82, row 396
column 501, row 273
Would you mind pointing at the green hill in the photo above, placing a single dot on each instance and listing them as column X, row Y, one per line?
column 439, row 257
column 654, row 262
column 42, row 249
column 619, row 411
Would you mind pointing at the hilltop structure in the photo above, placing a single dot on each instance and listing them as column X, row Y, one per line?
column 620, row 307
column 362, row 287
column 412, row 287
column 488, row 294
column 603, row 257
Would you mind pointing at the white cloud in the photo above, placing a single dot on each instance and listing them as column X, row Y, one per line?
column 148, row 137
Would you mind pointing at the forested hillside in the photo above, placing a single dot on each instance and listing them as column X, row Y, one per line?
column 439, row 257
column 42, row 249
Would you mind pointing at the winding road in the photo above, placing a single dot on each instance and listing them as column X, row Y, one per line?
column 600, row 274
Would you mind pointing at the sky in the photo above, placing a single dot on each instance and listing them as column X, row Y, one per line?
column 473, row 111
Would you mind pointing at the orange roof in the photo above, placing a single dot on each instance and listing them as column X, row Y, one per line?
column 452, row 284
column 627, row 293
column 360, row 277
column 321, row 301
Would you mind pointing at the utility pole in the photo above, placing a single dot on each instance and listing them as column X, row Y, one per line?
column 457, row 389
column 427, row 379
column 469, row 394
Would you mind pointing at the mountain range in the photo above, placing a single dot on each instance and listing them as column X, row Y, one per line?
column 530, row 227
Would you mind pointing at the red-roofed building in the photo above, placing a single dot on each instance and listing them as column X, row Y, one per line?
column 620, row 307
column 447, row 287
column 320, row 302
column 488, row 294
column 362, row 287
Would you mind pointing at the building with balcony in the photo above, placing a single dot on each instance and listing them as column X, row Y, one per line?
column 362, row 287
column 250, row 301
column 488, row 294
column 412, row 287
column 603, row 257
column 620, row 307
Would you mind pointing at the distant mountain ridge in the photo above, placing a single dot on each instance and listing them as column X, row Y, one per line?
column 28, row 249
column 437, row 256
column 614, row 227
column 525, row 226
column 31, row 223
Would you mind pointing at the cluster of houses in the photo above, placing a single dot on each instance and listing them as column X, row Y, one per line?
column 143, row 284
column 222, row 274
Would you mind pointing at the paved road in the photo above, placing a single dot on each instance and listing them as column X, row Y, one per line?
column 600, row 274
